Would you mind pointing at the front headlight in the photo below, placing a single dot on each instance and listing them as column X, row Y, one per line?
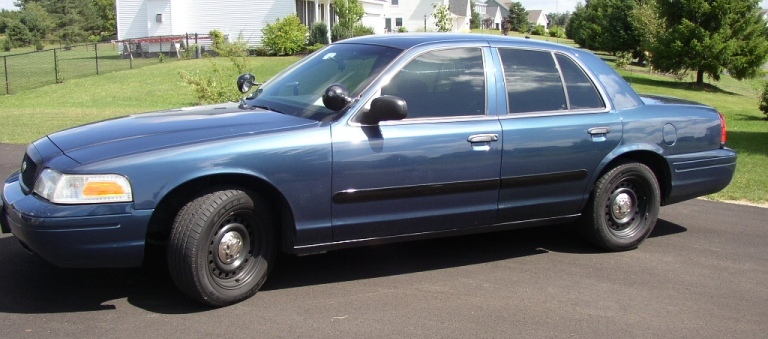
column 61, row 188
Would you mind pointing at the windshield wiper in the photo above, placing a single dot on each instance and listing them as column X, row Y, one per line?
column 243, row 104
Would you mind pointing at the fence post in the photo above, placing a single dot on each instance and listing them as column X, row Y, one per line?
column 96, row 52
column 56, row 65
column 7, row 84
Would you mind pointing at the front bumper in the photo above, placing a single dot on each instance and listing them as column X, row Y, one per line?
column 98, row 235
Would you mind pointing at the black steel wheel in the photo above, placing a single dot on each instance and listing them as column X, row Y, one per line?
column 221, row 247
column 623, row 207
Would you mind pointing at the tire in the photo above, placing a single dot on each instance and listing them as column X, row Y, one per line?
column 623, row 208
column 221, row 247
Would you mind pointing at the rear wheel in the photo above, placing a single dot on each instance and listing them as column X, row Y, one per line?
column 221, row 247
column 623, row 208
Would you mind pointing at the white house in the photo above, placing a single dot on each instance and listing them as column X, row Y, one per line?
column 538, row 17
column 498, row 11
column 152, row 23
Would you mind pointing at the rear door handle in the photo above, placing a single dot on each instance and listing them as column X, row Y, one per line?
column 599, row 130
column 477, row 138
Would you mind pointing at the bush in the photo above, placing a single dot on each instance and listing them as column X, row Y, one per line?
column 340, row 33
column 557, row 32
column 764, row 100
column 402, row 29
column 285, row 37
column 39, row 45
column 538, row 30
column 623, row 59
column 360, row 30
column 318, row 34
column 314, row 48
column 5, row 45
column 217, row 39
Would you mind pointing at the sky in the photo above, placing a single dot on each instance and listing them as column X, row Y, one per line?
column 549, row 6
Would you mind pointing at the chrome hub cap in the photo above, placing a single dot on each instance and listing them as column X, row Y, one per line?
column 230, row 247
column 621, row 206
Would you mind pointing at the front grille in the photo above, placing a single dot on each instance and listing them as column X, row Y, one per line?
column 28, row 173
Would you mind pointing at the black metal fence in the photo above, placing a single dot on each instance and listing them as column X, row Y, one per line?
column 36, row 69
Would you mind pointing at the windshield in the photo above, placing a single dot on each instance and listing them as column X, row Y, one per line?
column 299, row 90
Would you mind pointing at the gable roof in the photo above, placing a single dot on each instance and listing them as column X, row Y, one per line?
column 459, row 8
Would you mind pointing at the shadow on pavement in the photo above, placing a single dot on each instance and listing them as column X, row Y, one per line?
column 30, row 285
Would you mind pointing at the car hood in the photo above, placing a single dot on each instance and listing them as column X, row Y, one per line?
column 158, row 130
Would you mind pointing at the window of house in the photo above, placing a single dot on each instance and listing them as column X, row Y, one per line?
column 398, row 22
column 395, row 2
column 443, row 83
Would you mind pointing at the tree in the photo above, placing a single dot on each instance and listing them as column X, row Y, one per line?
column 710, row 37
column 37, row 20
column 605, row 25
column 442, row 17
column 476, row 21
column 558, row 19
column 518, row 17
column 349, row 12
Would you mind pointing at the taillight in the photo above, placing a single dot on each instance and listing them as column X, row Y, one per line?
column 723, row 130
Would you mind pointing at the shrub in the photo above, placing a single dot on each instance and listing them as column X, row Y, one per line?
column 623, row 59
column 217, row 39
column 538, row 30
column 557, row 32
column 39, row 45
column 5, row 45
column 764, row 100
column 402, row 29
column 318, row 34
column 360, row 30
column 314, row 48
column 285, row 37
column 340, row 33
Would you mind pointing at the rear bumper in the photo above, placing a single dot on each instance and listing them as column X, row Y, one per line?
column 109, row 235
column 699, row 174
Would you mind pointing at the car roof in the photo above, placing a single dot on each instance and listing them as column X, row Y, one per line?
column 408, row 40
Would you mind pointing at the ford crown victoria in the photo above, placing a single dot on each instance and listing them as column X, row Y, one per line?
column 370, row 140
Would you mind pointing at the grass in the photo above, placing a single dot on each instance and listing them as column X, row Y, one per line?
column 31, row 114
column 34, row 113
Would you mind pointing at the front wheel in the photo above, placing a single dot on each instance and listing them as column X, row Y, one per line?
column 221, row 247
column 623, row 208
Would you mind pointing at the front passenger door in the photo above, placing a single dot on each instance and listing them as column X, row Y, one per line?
column 436, row 170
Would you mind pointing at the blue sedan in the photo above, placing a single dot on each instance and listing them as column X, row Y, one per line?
column 369, row 140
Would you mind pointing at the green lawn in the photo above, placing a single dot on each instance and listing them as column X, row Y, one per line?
column 31, row 114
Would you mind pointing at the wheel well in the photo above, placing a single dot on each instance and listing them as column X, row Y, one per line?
column 654, row 161
column 160, row 224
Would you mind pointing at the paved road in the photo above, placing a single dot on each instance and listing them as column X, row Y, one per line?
column 703, row 273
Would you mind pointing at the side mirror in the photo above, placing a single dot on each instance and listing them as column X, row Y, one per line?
column 385, row 108
column 245, row 82
column 336, row 97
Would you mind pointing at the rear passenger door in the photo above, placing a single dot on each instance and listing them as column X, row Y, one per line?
column 557, row 130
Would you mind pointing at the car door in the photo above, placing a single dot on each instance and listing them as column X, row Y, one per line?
column 436, row 170
column 557, row 131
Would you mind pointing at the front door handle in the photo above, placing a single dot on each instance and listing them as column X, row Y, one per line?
column 477, row 138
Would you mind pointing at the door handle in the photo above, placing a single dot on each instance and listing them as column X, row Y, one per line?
column 483, row 138
column 599, row 130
